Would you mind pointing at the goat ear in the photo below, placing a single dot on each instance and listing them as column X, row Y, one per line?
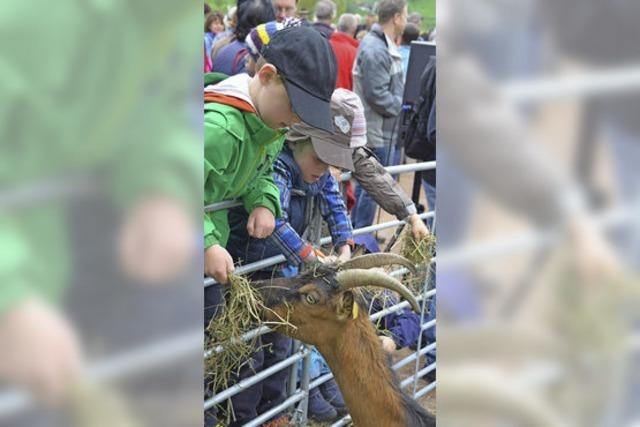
column 346, row 305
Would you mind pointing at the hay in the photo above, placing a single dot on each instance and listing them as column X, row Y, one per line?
column 419, row 253
column 242, row 312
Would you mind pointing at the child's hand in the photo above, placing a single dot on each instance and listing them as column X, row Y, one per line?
column 344, row 253
column 387, row 344
column 420, row 231
column 335, row 172
column 261, row 223
column 218, row 263
column 156, row 240
column 39, row 350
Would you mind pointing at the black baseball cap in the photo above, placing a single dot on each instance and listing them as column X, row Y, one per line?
column 307, row 64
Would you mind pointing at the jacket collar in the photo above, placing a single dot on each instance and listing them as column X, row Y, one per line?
column 260, row 132
column 376, row 29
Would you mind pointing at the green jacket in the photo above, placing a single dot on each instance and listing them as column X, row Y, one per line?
column 239, row 151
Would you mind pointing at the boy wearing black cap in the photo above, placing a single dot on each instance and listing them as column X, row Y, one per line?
column 244, row 117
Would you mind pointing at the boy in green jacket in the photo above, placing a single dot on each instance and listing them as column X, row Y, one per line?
column 245, row 119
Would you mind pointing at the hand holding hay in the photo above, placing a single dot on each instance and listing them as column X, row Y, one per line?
column 419, row 252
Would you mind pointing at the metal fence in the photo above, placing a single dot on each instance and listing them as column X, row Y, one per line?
column 297, row 395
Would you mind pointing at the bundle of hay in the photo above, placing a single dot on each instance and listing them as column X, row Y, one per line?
column 227, row 351
column 419, row 253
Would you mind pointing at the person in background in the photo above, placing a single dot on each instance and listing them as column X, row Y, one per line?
column 378, row 80
column 303, row 16
column 431, row 35
column 345, row 46
column 207, row 9
column 231, row 58
column 230, row 20
column 416, row 19
column 411, row 33
column 364, row 28
column 325, row 14
column 285, row 9
column 403, row 327
column 213, row 25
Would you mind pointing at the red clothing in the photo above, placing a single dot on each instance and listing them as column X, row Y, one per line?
column 345, row 47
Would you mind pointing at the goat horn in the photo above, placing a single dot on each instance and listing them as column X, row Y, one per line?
column 378, row 260
column 356, row 278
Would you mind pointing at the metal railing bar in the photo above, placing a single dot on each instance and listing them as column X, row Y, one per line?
column 271, row 261
column 393, row 170
column 400, row 363
column 248, row 382
column 424, row 390
column 417, row 375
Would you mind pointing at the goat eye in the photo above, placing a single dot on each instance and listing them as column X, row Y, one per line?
column 311, row 299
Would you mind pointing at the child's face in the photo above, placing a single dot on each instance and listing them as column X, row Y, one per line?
column 216, row 27
column 310, row 165
column 271, row 99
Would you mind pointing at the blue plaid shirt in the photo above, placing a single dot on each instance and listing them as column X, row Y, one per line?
column 332, row 208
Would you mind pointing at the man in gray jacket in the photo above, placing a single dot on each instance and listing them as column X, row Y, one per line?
column 377, row 78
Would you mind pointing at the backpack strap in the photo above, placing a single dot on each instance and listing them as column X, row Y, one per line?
column 241, row 55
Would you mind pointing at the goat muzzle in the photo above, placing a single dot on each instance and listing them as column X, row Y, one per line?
column 356, row 278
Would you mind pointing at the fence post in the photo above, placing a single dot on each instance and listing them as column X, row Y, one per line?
column 304, row 386
column 293, row 374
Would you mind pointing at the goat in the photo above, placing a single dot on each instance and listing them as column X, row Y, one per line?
column 323, row 310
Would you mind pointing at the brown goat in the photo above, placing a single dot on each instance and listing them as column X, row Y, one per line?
column 326, row 312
